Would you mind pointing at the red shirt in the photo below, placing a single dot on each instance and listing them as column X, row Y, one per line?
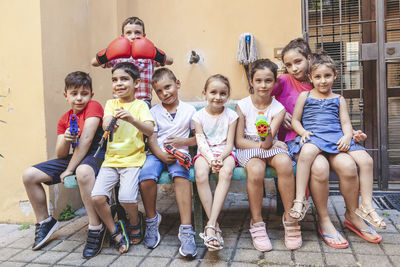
column 92, row 109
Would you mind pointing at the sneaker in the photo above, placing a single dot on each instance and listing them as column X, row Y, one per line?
column 94, row 242
column 43, row 232
column 188, row 246
column 260, row 237
column 152, row 235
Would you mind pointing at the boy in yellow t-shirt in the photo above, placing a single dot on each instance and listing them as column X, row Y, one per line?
column 124, row 157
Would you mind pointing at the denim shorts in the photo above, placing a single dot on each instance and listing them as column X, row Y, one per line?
column 153, row 168
column 55, row 167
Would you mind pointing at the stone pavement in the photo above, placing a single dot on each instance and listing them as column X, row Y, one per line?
column 65, row 248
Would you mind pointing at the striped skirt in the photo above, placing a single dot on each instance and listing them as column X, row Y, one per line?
column 244, row 155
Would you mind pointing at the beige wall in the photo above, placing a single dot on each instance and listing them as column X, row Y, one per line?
column 61, row 36
column 23, row 136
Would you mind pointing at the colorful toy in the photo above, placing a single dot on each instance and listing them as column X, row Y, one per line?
column 73, row 128
column 262, row 126
column 108, row 133
column 183, row 158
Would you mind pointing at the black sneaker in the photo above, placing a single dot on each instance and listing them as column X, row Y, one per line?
column 94, row 243
column 43, row 232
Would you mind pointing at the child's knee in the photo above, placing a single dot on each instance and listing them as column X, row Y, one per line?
column 202, row 176
column 29, row 175
column 99, row 201
column 225, row 174
column 84, row 174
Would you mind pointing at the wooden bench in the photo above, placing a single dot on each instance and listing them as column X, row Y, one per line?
column 239, row 174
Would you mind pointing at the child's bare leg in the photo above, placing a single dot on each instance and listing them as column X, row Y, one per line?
column 284, row 169
column 255, row 184
column 103, row 210
column 366, row 165
column 33, row 179
column 202, row 171
column 224, row 181
column 86, row 178
column 319, row 187
column 183, row 195
column 307, row 156
column 345, row 167
column 148, row 191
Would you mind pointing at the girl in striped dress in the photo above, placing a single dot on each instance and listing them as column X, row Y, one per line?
column 255, row 154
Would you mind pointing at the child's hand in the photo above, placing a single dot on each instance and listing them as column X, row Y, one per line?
column 305, row 137
column 287, row 121
column 344, row 143
column 175, row 141
column 167, row 158
column 359, row 136
column 65, row 174
column 279, row 144
column 216, row 165
column 69, row 137
column 123, row 115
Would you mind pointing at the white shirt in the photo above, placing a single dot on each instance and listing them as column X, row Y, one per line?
column 167, row 126
column 250, row 113
column 215, row 127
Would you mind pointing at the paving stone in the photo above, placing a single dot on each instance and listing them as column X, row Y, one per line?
column 390, row 238
column 101, row 260
column 277, row 257
column 210, row 263
column 367, row 248
column 308, row 258
column 81, row 236
column 221, row 255
column 36, row 265
column 25, row 242
column 310, row 246
column 181, row 262
column 248, row 255
column 50, row 257
column 139, row 250
column 395, row 260
column 307, row 226
column 67, row 245
column 391, row 249
column 126, row 260
column 245, row 243
column 374, row 260
column 230, row 242
column 164, row 251
column 75, row 259
column 27, row 255
column 13, row 234
column 243, row 264
column 7, row 253
column 338, row 259
column 309, row 235
column 155, row 262
column 278, row 245
column 12, row 264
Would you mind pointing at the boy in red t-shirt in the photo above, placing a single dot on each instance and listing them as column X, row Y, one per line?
column 78, row 93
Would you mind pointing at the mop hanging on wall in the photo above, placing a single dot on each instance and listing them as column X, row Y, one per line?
column 247, row 52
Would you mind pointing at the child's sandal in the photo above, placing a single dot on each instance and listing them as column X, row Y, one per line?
column 301, row 212
column 365, row 214
column 137, row 238
column 207, row 239
column 124, row 240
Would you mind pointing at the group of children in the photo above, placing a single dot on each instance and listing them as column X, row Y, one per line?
column 300, row 102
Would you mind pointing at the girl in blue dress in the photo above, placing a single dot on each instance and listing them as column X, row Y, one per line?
column 323, row 125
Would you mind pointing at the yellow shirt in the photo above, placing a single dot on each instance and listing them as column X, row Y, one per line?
column 127, row 147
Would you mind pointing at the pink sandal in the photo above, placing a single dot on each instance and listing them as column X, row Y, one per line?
column 260, row 237
column 292, row 234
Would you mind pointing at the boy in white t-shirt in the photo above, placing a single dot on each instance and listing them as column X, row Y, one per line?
column 173, row 122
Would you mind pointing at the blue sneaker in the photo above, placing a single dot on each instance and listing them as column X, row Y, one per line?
column 152, row 235
column 188, row 246
column 43, row 232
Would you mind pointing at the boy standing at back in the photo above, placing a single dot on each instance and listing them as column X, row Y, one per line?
column 78, row 93
column 132, row 28
column 173, row 119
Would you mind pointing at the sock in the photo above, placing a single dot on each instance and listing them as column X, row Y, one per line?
column 95, row 227
column 46, row 220
column 183, row 225
column 152, row 219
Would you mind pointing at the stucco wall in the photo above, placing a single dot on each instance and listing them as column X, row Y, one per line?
column 47, row 39
column 23, row 136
